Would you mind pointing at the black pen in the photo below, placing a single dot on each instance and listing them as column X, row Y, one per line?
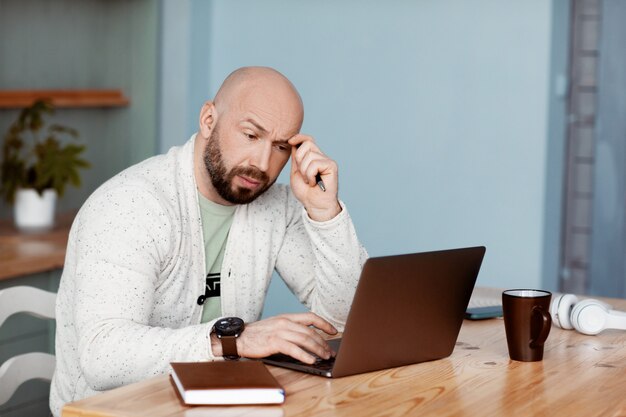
column 318, row 177
column 320, row 183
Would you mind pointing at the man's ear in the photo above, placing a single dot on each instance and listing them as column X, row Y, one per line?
column 207, row 119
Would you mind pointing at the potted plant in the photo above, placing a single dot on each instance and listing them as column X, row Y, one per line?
column 37, row 164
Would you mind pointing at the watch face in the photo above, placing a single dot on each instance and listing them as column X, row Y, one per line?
column 229, row 326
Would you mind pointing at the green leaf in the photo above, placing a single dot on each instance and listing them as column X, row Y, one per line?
column 62, row 129
column 29, row 162
column 59, row 165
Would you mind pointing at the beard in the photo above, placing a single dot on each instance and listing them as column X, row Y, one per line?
column 222, row 179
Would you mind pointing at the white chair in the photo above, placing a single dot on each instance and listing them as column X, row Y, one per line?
column 21, row 368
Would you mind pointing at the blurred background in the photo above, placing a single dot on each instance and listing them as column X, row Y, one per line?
column 454, row 123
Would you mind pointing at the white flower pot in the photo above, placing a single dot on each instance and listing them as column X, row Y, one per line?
column 33, row 212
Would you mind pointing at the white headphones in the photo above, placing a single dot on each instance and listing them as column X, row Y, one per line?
column 588, row 316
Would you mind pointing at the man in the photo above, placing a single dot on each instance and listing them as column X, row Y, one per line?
column 168, row 258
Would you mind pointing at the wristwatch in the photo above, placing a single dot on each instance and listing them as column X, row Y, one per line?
column 228, row 329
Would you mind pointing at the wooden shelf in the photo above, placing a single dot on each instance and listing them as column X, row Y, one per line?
column 13, row 99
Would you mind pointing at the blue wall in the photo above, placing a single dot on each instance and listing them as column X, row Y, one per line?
column 437, row 113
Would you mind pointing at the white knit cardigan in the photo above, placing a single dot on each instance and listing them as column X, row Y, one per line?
column 126, row 306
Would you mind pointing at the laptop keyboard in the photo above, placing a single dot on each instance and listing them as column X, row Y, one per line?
column 324, row 364
column 321, row 364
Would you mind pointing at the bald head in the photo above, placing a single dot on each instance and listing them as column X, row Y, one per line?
column 263, row 83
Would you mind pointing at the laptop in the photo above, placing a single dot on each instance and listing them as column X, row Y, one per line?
column 407, row 309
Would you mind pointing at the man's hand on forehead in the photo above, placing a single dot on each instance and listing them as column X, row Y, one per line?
column 304, row 151
column 314, row 178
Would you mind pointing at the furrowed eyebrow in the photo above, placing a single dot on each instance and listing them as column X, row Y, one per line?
column 263, row 130
column 282, row 142
column 258, row 126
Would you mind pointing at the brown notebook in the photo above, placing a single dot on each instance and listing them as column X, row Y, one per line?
column 228, row 382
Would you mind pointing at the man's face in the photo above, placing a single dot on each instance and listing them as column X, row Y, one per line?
column 247, row 130
column 239, row 184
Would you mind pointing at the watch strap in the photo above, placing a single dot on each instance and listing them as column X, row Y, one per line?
column 229, row 347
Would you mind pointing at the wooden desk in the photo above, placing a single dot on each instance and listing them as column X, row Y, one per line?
column 29, row 253
column 579, row 376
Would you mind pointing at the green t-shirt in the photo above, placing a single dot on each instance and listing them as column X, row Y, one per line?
column 216, row 221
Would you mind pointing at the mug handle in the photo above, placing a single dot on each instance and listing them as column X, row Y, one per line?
column 545, row 327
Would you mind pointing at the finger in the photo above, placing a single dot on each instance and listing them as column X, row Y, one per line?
column 302, row 152
column 305, row 149
column 324, row 167
column 296, row 352
column 300, row 323
column 305, row 164
column 312, row 319
column 294, row 162
column 309, row 341
column 302, row 331
column 299, row 139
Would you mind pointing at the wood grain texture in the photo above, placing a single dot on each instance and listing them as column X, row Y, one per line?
column 579, row 376
column 63, row 98
column 29, row 253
